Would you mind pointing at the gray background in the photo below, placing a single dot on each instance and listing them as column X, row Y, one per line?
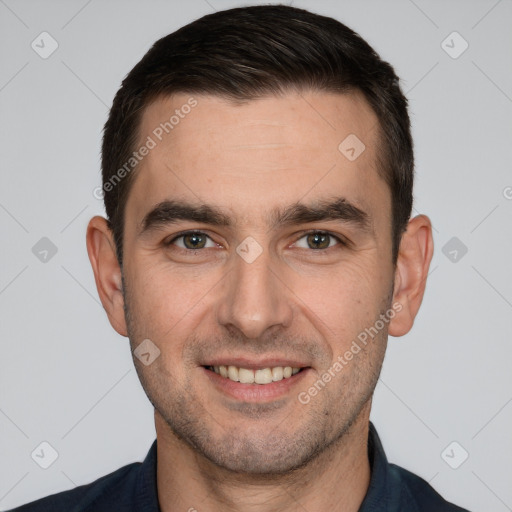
column 68, row 379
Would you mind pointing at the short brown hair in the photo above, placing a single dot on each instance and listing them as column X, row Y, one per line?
column 249, row 52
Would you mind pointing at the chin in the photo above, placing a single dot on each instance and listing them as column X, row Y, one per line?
column 266, row 454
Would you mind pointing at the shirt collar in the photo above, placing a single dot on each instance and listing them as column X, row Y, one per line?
column 145, row 492
column 386, row 489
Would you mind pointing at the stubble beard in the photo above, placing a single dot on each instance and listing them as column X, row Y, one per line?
column 259, row 451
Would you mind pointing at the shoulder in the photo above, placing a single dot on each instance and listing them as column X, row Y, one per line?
column 419, row 495
column 109, row 492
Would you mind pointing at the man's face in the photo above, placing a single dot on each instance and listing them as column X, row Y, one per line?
column 282, row 297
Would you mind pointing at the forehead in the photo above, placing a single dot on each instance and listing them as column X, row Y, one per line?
column 260, row 153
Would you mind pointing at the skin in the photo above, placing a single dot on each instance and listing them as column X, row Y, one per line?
column 216, row 452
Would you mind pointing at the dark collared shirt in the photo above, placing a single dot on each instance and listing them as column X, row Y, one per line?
column 132, row 488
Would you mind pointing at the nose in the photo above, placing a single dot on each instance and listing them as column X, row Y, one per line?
column 255, row 297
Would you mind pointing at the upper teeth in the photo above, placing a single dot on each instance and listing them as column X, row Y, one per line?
column 248, row 376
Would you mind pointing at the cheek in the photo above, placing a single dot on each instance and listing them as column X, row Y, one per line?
column 341, row 302
column 163, row 299
column 163, row 307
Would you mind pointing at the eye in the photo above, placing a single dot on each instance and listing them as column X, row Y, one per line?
column 318, row 240
column 192, row 240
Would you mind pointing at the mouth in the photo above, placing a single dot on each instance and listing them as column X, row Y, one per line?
column 261, row 383
column 262, row 376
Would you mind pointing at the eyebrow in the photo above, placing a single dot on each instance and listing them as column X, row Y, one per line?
column 172, row 211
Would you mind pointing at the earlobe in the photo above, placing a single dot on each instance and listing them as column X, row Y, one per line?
column 414, row 257
column 107, row 273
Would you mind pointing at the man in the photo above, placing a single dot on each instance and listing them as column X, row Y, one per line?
column 258, row 172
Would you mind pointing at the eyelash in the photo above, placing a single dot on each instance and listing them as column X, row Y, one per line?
column 340, row 240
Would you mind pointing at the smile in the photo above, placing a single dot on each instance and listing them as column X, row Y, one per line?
column 249, row 376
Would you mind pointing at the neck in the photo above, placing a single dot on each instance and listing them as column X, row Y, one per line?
column 337, row 479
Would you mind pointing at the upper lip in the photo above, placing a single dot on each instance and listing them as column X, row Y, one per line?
column 256, row 364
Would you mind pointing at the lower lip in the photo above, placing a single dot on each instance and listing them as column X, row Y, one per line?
column 255, row 393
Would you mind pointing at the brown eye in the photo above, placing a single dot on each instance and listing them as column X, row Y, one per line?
column 318, row 240
column 192, row 241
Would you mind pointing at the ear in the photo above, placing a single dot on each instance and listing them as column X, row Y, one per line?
column 107, row 273
column 414, row 256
